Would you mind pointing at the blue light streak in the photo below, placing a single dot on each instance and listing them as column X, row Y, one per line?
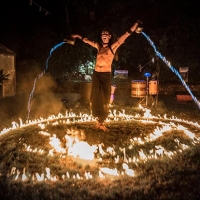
column 172, row 69
column 40, row 76
column 53, row 49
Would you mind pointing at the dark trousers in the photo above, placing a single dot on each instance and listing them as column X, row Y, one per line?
column 100, row 94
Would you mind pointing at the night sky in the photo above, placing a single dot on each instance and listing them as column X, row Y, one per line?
column 17, row 16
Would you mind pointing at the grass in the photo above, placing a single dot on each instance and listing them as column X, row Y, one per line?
column 156, row 176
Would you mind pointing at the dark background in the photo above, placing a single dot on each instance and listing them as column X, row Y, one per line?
column 173, row 26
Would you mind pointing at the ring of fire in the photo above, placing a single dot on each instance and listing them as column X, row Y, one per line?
column 69, row 147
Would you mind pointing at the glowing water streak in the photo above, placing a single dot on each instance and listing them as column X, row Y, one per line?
column 172, row 68
column 54, row 48
column 38, row 77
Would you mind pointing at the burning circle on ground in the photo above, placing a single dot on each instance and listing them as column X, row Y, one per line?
column 69, row 147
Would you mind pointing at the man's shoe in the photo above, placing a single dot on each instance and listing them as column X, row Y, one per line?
column 97, row 125
column 104, row 128
column 101, row 125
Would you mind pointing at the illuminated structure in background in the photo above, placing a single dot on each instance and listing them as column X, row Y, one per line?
column 184, row 73
column 146, row 90
column 147, row 75
column 138, row 90
column 7, row 65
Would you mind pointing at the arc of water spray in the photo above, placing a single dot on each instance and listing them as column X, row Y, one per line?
column 38, row 77
column 172, row 69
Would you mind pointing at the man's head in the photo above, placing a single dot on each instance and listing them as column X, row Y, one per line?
column 105, row 36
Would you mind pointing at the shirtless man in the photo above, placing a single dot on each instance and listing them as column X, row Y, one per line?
column 101, row 80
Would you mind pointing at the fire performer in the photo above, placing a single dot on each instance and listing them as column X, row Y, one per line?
column 101, row 79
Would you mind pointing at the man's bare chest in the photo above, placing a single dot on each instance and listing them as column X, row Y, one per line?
column 104, row 51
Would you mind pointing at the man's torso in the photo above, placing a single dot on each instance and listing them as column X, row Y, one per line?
column 104, row 59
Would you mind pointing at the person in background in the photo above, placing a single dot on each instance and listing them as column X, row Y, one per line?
column 101, row 79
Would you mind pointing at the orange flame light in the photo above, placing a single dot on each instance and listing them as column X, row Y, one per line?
column 77, row 147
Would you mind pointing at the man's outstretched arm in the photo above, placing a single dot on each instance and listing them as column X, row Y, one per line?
column 124, row 36
column 85, row 40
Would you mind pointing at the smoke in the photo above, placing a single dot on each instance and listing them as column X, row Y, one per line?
column 45, row 101
column 26, row 73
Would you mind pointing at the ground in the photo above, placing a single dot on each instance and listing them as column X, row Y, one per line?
column 152, row 175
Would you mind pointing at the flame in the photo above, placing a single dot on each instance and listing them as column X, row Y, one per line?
column 55, row 142
column 39, row 177
column 24, row 177
column 109, row 171
column 17, row 176
column 127, row 170
column 88, row 175
column 83, row 150
column 74, row 144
